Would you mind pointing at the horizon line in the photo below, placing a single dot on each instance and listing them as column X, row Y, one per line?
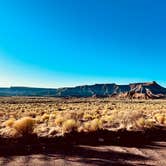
column 22, row 86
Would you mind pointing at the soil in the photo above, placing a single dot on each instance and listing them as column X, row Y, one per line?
column 101, row 148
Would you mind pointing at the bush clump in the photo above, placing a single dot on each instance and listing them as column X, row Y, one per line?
column 9, row 122
column 93, row 125
column 160, row 118
column 69, row 125
column 59, row 120
column 24, row 125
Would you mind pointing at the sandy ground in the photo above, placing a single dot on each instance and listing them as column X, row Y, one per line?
column 153, row 154
column 118, row 148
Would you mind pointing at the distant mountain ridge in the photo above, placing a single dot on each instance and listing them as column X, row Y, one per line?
column 101, row 90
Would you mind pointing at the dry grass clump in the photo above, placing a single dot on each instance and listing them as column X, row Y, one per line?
column 38, row 119
column 108, row 118
column 69, row 125
column 93, row 125
column 52, row 116
column 59, row 121
column 150, row 123
column 142, row 123
column 45, row 117
column 24, row 125
column 81, row 115
column 87, row 116
column 160, row 118
column 9, row 122
column 10, row 133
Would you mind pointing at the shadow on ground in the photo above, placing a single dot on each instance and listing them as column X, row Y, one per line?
column 95, row 148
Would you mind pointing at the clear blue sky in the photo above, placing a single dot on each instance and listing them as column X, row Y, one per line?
column 55, row 43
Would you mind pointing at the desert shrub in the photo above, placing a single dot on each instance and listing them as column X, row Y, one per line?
column 9, row 122
column 69, row 125
column 52, row 116
column 59, row 120
column 79, row 115
column 160, row 118
column 109, row 118
column 45, row 117
column 10, row 132
column 24, row 125
column 140, row 123
column 145, row 123
column 111, row 115
column 129, row 117
column 150, row 123
column 32, row 114
column 87, row 116
column 70, row 114
column 38, row 119
column 93, row 125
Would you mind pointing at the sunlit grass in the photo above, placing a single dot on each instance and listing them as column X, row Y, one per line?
column 60, row 116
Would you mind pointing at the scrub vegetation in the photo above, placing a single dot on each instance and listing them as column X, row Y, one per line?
column 52, row 117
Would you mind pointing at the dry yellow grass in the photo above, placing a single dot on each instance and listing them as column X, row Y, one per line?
column 45, row 117
column 81, row 115
column 160, row 118
column 24, row 125
column 59, row 120
column 92, row 125
column 69, row 125
column 9, row 122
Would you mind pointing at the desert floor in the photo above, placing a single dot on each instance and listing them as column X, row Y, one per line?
column 149, row 155
column 105, row 132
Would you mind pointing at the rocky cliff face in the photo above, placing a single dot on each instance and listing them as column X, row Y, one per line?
column 98, row 90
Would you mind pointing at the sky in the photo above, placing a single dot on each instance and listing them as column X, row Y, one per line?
column 57, row 43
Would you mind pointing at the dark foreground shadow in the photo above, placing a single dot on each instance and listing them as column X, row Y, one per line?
column 85, row 148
